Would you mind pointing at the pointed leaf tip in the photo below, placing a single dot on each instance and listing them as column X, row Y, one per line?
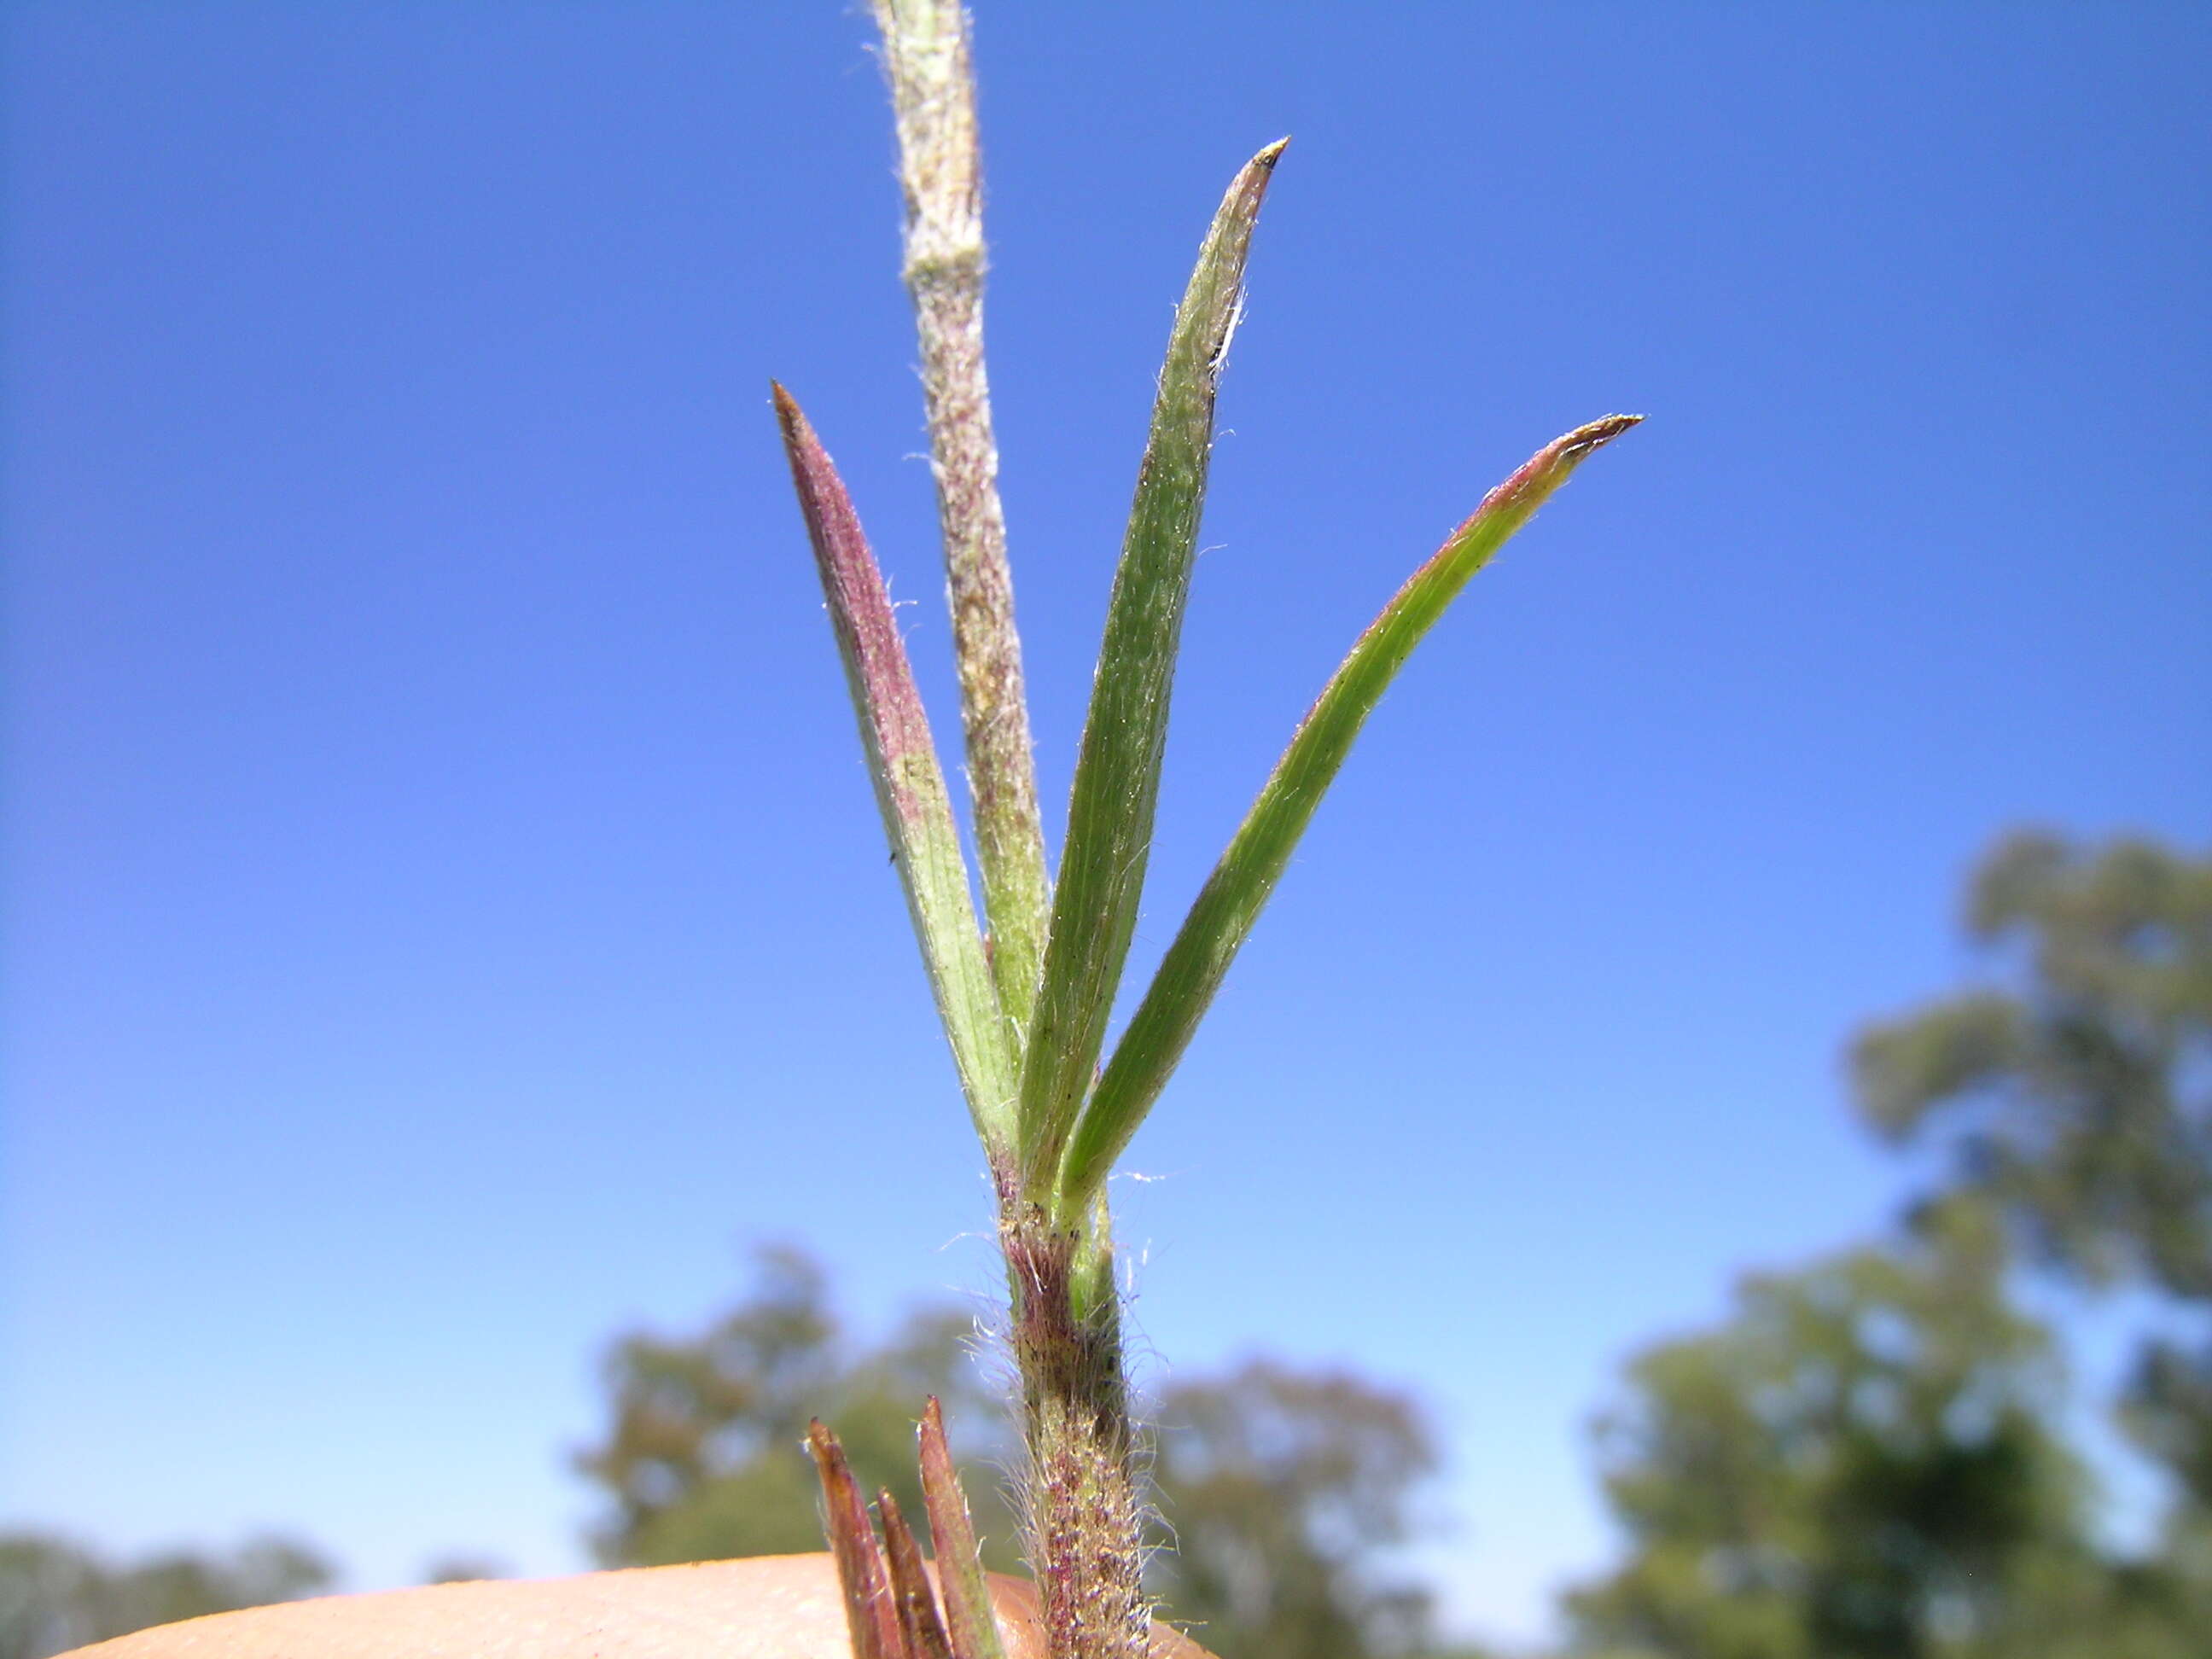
column 788, row 415
column 909, row 782
column 1595, row 435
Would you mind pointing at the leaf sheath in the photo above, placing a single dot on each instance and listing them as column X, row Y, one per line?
column 909, row 784
column 1234, row 894
column 1110, row 808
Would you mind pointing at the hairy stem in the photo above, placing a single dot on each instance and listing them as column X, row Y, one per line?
column 1085, row 1519
column 933, row 97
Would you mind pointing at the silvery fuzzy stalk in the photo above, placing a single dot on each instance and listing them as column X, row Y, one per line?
column 925, row 57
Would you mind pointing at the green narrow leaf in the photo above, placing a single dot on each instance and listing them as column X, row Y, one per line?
column 870, row 1615
column 909, row 784
column 967, row 1593
column 1110, row 815
column 1231, row 899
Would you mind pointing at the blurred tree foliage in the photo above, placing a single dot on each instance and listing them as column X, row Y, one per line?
column 705, row 1458
column 1284, row 1487
column 1860, row 1462
column 2075, row 1092
column 1858, row 1465
column 462, row 1568
column 55, row 1594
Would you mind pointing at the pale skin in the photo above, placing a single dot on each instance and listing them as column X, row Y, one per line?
column 779, row 1607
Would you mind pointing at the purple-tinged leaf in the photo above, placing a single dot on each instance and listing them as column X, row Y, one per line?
column 910, row 1588
column 871, row 1614
column 960, row 1578
column 909, row 784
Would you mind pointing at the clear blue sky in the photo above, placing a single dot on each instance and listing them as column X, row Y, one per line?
column 446, row 919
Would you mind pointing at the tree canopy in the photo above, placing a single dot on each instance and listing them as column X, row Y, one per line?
column 1861, row 1460
column 2074, row 1087
column 55, row 1595
column 704, row 1460
column 1859, row 1465
column 2075, row 1090
column 1286, row 1490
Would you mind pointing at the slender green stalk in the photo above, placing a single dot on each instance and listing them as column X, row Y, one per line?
column 925, row 57
column 1230, row 901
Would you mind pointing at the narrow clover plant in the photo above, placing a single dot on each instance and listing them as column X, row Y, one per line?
column 1025, row 997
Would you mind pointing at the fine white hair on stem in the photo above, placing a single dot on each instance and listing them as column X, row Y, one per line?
column 926, row 59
